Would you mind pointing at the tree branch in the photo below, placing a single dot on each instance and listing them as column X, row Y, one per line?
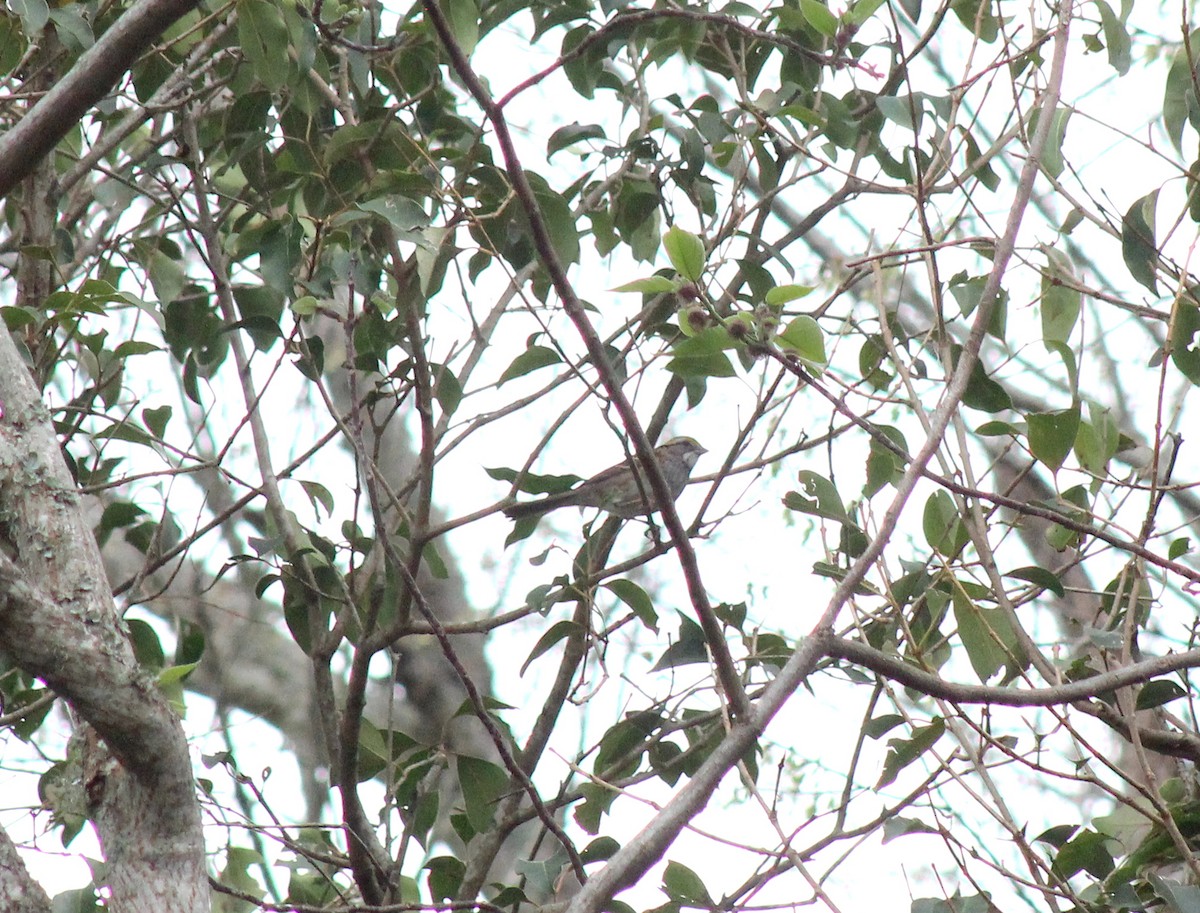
column 95, row 73
column 65, row 630
column 895, row 668
column 714, row 634
column 19, row 893
column 637, row 855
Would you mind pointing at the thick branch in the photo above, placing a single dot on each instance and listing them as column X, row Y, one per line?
column 19, row 893
column 58, row 623
column 93, row 76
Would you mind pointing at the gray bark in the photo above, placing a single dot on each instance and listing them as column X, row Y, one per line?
column 58, row 623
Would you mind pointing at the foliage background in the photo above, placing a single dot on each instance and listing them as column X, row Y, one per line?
column 314, row 291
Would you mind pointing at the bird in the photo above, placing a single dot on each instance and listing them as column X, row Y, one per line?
column 617, row 489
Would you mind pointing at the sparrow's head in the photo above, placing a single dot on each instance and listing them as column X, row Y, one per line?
column 683, row 448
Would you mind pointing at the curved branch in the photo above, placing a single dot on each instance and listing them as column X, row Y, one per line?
column 58, row 623
column 910, row 676
column 95, row 73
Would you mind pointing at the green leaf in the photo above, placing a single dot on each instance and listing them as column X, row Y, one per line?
column 236, row 874
column 770, row 649
column 880, row 726
column 944, row 529
column 133, row 347
column 445, row 876
column 599, row 850
column 986, row 635
column 688, row 648
column 997, row 428
column 872, row 357
column 261, row 308
column 1061, row 299
column 1185, row 340
column 559, row 631
column 531, row 359
column 819, row 499
column 1052, row 155
column 1116, row 39
column 803, row 336
column 977, row 17
column 483, row 784
column 978, row 164
column 902, row 752
column 653, row 285
column 1067, row 355
column 1058, row 835
column 884, row 466
column 463, row 16
column 983, row 393
column 12, row 42
column 819, row 17
column 446, row 388
column 968, row 291
column 433, row 559
column 117, row 514
column 904, row 110
column 305, row 306
column 540, row 875
column 684, row 886
column 1088, row 851
column 957, row 903
column 318, row 495
column 27, row 724
column 1059, row 537
column 403, row 214
column 147, row 648
column 264, row 39
column 34, row 14
column 1193, row 191
column 703, row 355
column 1179, row 98
column 685, row 251
column 637, row 599
column 582, row 71
column 1097, row 440
column 531, row 482
column 1138, row 246
column 127, row 431
column 1052, row 435
column 569, row 135
column 556, row 213
column 899, row 827
column 1178, row 898
column 782, row 294
column 861, row 11
column 167, row 275
column 597, row 800
column 695, row 318
column 1158, row 692
column 174, row 675
column 622, row 744
column 1039, row 576
column 17, row 317
column 311, row 358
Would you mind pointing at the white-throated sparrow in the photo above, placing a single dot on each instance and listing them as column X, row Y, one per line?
column 617, row 490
